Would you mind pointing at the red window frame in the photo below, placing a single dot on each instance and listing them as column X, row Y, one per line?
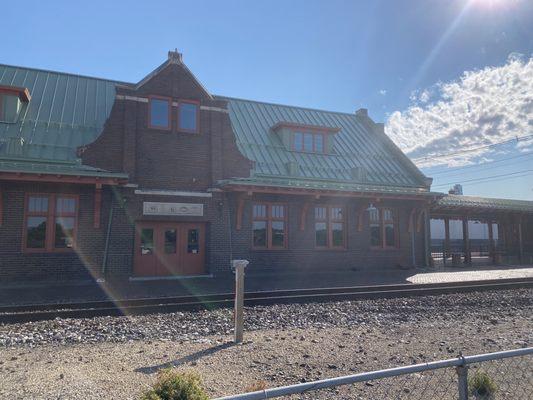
column 169, row 124
column 382, row 226
column 51, row 214
column 197, row 104
column 269, row 219
column 330, row 220
column 314, row 135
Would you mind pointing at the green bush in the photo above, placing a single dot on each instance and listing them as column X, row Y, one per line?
column 482, row 386
column 174, row 385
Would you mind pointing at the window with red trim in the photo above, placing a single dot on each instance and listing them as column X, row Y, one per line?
column 188, row 116
column 269, row 226
column 309, row 142
column 383, row 228
column 50, row 222
column 159, row 112
column 330, row 227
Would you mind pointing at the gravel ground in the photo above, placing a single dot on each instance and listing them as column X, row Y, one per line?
column 117, row 357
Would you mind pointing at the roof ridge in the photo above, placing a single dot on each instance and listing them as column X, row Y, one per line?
column 67, row 74
column 284, row 105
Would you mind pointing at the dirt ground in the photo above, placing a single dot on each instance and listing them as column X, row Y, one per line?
column 277, row 357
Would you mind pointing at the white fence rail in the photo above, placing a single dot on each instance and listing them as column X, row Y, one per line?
column 491, row 379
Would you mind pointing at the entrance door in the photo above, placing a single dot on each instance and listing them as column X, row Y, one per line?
column 169, row 248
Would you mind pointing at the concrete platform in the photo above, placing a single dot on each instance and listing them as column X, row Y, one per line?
column 57, row 292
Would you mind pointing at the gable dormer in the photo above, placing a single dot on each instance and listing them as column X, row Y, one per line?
column 306, row 138
column 12, row 100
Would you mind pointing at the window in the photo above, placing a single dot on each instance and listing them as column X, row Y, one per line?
column 308, row 142
column 188, row 116
column 51, row 222
column 329, row 227
column 10, row 106
column 159, row 112
column 383, row 229
column 147, row 241
column 269, row 226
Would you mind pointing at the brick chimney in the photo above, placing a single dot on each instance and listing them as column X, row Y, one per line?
column 175, row 56
column 362, row 112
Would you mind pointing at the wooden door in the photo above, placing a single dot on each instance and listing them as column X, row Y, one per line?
column 168, row 261
column 192, row 248
column 169, row 248
column 145, row 257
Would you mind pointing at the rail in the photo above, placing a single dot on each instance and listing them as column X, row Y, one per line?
column 463, row 388
column 29, row 313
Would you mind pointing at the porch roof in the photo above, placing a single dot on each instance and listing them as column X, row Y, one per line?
column 455, row 202
column 325, row 186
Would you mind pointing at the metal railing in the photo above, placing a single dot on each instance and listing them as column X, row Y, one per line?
column 500, row 375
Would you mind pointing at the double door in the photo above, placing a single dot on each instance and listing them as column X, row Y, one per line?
column 166, row 249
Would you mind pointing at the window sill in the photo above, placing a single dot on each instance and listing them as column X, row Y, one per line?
column 190, row 132
column 384, row 248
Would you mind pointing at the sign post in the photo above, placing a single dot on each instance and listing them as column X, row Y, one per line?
column 238, row 267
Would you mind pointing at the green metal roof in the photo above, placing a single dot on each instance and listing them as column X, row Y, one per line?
column 65, row 111
column 484, row 203
column 357, row 144
column 326, row 184
column 61, row 168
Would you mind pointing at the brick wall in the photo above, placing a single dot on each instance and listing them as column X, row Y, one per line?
column 83, row 263
column 301, row 254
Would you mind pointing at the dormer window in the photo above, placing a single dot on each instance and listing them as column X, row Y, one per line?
column 306, row 138
column 308, row 142
column 159, row 109
column 188, row 116
column 12, row 100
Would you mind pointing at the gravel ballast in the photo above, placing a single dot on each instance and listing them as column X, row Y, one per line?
column 117, row 357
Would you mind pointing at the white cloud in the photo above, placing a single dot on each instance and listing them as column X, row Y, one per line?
column 482, row 108
column 383, row 92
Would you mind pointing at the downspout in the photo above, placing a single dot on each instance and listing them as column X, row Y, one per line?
column 108, row 234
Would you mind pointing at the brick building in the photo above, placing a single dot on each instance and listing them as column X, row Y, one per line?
column 161, row 178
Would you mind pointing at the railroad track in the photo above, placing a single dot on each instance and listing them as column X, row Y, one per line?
column 39, row 312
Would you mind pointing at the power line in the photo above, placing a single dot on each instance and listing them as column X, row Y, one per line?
column 451, row 171
column 486, row 177
column 517, row 138
column 499, row 179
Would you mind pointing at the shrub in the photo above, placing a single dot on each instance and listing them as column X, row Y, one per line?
column 256, row 386
column 174, row 385
column 482, row 386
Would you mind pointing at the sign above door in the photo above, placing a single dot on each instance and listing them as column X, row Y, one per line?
column 188, row 209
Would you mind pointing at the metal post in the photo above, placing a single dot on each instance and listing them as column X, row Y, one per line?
column 238, row 266
column 466, row 241
column 462, row 375
column 520, row 244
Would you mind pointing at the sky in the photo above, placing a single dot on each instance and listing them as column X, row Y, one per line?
column 451, row 79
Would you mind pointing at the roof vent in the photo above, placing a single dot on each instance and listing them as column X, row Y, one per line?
column 175, row 56
column 292, row 168
column 358, row 174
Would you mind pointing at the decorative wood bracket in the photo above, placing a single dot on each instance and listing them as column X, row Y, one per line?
column 360, row 217
column 303, row 216
column 97, row 205
column 412, row 217
column 240, row 210
column 420, row 220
